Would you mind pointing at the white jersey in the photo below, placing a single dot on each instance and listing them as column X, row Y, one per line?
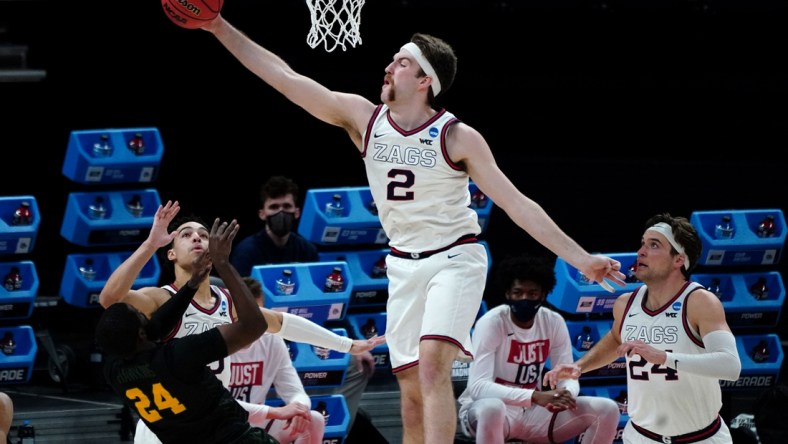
column 421, row 195
column 197, row 319
column 666, row 401
column 512, row 371
column 263, row 364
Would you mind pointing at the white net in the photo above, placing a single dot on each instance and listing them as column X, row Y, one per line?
column 335, row 23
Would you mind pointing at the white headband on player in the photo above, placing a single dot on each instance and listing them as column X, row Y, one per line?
column 425, row 65
column 665, row 230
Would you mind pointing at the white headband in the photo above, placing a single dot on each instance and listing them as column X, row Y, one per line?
column 425, row 65
column 666, row 231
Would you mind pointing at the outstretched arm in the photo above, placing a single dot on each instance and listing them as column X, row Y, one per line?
column 119, row 283
column 348, row 111
column 467, row 146
column 602, row 353
column 297, row 329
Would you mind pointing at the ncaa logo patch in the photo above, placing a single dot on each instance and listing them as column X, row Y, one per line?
column 676, row 306
column 433, row 132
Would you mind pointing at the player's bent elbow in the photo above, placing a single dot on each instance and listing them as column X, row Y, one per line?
column 273, row 320
column 105, row 300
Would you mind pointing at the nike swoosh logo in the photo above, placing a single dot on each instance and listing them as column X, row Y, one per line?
column 376, row 135
column 632, row 314
column 189, row 314
column 510, row 334
column 452, row 256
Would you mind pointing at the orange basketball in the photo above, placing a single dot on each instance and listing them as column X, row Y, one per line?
column 191, row 14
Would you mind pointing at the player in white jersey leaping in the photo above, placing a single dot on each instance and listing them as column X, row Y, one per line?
column 676, row 341
column 419, row 161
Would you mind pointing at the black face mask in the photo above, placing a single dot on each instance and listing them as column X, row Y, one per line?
column 281, row 223
column 524, row 310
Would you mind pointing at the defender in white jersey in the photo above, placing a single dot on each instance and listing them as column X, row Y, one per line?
column 419, row 161
column 676, row 341
column 504, row 399
column 187, row 239
column 198, row 319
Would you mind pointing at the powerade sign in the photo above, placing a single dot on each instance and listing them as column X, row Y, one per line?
column 750, row 382
column 8, row 375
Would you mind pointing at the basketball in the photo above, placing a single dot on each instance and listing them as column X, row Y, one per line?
column 191, row 14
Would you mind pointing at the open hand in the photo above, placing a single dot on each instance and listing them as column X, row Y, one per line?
column 360, row 346
column 561, row 371
column 211, row 25
column 601, row 269
column 220, row 241
column 158, row 235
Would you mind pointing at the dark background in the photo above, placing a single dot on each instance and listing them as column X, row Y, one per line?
column 603, row 112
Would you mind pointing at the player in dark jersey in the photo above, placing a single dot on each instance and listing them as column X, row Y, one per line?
column 169, row 384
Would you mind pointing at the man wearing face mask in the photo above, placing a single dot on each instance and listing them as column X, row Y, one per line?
column 504, row 399
column 277, row 242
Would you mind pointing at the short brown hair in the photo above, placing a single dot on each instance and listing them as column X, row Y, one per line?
column 441, row 56
column 685, row 234
column 278, row 186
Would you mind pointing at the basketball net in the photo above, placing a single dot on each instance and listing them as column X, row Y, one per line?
column 335, row 23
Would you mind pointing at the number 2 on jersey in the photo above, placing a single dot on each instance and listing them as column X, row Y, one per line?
column 403, row 179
